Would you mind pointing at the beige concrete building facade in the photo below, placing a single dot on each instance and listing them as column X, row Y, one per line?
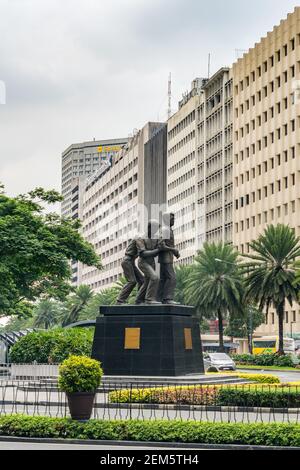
column 79, row 161
column 113, row 207
column 182, row 174
column 266, row 170
column 199, row 186
column 214, row 159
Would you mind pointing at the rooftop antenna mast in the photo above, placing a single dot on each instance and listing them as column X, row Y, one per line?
column 208, row 66
column 170, row 96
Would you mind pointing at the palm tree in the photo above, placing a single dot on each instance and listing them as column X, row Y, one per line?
column 82, row 296
column 46, row 314
column 107, row 296
column 215, row 285
column 271, row 273
column 182, row 274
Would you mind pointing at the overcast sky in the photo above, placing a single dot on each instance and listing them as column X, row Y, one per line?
column 78, row 69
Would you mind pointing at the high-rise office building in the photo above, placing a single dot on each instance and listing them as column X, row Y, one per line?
column 182, row 172
column 78, row 162
column 200, row 165
column 113, row 201
column 214, row 159
column 266, row 170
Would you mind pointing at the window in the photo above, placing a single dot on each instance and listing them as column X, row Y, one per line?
column 265, row 66
column 292, row 43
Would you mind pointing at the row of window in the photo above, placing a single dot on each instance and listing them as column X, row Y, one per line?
column 181, row 143
column 182, row 125
column 268, row 89
column 181, row 163
column 266, row 191
column 182, row 179
column 266, row 217
column 267, row 64
column 271, row 317
column 270, row 114
column 284, row 130
column 118, row 175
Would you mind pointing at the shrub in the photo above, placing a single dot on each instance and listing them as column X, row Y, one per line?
column 52, row 346
column 260, row 378
column 265, row 360
column 285, row 435
column 203, row 395
column 186, row 395
column 79, row 374
column 259, row 397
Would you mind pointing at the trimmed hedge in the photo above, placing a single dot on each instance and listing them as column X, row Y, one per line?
column 260, row 378
column 260, row 397
column 52, row 346
column 284, row 435
column 269, row 396
column 265, row 360
column 201, row 395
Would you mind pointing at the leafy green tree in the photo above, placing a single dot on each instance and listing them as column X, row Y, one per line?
column 271, row 274
column 244, row 326
column 81, row 297
column 215, row 285
column 35, row 251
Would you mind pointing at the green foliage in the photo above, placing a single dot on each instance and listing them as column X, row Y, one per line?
column 259, row 397
column 260, row 378
column 193, row 395
column 259, row 434
column 215, row 285
column 46, row 314
column 35, row 250
column 52, row 346
column 244, row 326
column 81, row 297
column 265, row 360
column 79, row 374
column 271, row 273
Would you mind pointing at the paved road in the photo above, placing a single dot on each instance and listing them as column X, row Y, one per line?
column 46, row 446
column 169, row 414
column 284, row 376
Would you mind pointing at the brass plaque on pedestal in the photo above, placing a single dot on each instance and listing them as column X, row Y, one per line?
column 188, row 338
column 132, row 338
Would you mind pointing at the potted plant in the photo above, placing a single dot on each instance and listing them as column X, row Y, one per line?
column 79, row 377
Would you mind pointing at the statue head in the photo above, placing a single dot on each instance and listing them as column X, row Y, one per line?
column 168, row 219
column 153, row 227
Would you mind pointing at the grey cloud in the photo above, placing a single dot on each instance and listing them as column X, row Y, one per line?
column 78, row 69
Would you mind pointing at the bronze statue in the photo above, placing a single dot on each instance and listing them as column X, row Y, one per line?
column 147, row 250
column 166, row 255
column 132, row 275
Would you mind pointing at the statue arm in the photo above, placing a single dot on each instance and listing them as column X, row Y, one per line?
column 143, row 252
column 164, row 247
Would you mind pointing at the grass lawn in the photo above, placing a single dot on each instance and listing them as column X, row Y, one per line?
column 278, row 368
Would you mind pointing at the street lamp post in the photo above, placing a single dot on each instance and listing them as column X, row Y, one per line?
column 292, row 323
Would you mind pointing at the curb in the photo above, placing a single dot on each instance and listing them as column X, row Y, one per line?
column 155, row 445
column 268, row 370
column 148, row 406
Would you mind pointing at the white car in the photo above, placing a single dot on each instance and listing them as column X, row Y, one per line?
column 220, row 360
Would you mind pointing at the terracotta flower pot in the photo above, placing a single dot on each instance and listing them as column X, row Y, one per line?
column 81, row 405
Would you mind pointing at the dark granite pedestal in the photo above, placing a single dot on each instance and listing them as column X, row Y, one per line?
column 142, row 340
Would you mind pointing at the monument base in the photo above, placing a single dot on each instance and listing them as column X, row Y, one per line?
column 148, row 340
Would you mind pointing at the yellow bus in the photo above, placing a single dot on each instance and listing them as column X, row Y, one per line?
column 270, row 344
